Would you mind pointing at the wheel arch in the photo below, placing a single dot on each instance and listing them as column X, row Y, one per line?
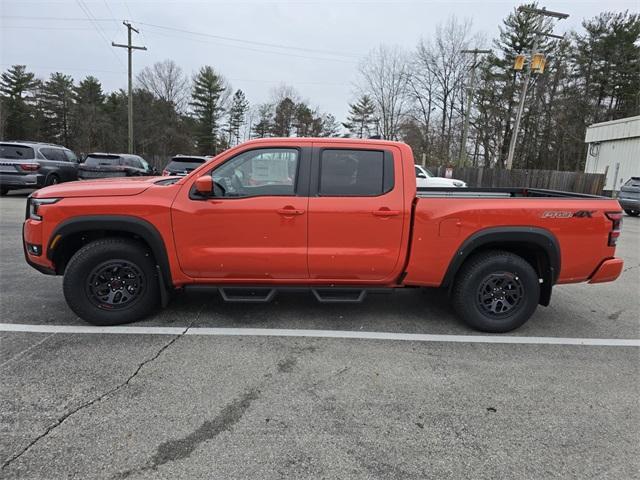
column 536, row 245
column 72, row 234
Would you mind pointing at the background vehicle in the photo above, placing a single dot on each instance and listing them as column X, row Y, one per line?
column 629, row 196
column 337, row 216
column 104, row 165
column 181, row 165
column 425, row 178
column 34, row 165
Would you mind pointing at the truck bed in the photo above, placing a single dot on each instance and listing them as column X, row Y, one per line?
column 500, row 192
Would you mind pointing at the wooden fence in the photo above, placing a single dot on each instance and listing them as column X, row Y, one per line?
column 579, row 182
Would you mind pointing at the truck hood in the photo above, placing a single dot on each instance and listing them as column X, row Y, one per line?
column 107, row 187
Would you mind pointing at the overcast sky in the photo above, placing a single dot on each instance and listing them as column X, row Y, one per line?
column 312, row 45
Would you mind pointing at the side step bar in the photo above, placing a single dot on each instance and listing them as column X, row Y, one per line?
column 262, row 294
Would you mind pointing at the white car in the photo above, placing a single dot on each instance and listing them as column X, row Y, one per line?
column 425, row 178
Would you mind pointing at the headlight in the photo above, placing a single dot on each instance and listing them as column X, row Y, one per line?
column 34, row 205
column 459, row 184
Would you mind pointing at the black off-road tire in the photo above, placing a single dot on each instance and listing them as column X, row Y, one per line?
column 477, row 291
column 95, row 257
column 632, row 213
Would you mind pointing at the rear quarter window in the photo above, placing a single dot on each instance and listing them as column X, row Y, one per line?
column 16, row 152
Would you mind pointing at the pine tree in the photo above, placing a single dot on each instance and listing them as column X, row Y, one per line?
column 207, row 101
column 57, row 103
column 89, row 117
column 265, row 120
column 283, row 120
column 237, row 114
column 361, row 121
column 330, row 127
column 16, row 106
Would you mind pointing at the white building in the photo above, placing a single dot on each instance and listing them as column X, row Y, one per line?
column 614, row 149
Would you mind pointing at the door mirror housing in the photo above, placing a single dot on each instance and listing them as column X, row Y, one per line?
column 204, row 185
column 421, row 175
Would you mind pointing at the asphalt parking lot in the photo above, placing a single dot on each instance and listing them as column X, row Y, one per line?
column 177, row 405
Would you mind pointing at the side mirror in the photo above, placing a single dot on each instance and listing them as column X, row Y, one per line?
column 204, row 185
column 421, row 175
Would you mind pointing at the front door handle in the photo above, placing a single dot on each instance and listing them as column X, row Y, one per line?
column 288, row 210
column 385, row 212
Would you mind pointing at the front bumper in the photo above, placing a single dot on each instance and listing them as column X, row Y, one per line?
column 29, row 180
column 608, row 271
column 33, row 236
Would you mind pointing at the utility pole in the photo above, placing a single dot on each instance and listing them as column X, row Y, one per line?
column 130, row 49
column 470, row 90
column 542, row 13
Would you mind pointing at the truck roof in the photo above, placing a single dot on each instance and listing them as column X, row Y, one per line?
column 338, row 141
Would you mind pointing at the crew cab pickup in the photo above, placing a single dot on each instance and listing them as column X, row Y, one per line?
column 339, row 217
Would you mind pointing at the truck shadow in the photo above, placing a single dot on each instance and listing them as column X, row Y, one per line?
column 404, row 310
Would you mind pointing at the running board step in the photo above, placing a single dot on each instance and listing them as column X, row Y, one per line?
column 339, row 295
column 243, row 294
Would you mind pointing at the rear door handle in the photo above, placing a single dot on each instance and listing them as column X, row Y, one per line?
column 290, row 211
column 385, row 212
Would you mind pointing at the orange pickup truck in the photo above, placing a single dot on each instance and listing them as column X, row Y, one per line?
column 338, row 217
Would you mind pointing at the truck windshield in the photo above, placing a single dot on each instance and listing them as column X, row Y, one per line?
column 16, row 152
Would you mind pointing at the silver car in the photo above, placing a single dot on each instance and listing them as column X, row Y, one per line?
column 629, row 196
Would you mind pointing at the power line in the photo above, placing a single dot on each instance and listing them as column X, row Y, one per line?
column 89, row 16
column 202, row 34
column 209, row 42
column 252, row 42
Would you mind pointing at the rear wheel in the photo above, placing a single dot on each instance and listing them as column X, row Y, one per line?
column 111, row 281
column 3, row 191
column 496, row 291
column 52, row 179
column 633, row 213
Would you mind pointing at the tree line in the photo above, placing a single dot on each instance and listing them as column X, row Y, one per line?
column 418, row 96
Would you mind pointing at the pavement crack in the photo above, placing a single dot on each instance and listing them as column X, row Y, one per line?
column 630, row 268
column 89, row 403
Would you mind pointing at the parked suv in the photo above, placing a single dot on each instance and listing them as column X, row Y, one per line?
column 629, row 196
column 105, row 165
column 181, row 165
column 35, row 165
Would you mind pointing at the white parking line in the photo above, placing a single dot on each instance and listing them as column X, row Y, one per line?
column 277, row 332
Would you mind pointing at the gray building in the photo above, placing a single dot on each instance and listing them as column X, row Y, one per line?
column 614, row 149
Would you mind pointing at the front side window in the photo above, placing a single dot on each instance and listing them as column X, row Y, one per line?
column 71, row 157
column 271, row 172
column 362, row 173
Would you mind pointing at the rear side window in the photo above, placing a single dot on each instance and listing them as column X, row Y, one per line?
column 16, row 152
column 53, row 154
column 360, row 173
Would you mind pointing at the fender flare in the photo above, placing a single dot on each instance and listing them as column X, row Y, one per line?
column 117, row 223
column 540, row 237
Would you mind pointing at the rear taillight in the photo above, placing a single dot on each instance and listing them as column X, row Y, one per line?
column 616, row 227
column 29, row 167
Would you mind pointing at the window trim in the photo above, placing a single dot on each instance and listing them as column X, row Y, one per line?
column 301, row 184
column 317, row 172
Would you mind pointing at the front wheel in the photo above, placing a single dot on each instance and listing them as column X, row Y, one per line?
column 111, row 281
column 496, row 291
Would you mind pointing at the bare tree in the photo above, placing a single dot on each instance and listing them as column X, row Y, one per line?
column 166, row 81
column 384, row 75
